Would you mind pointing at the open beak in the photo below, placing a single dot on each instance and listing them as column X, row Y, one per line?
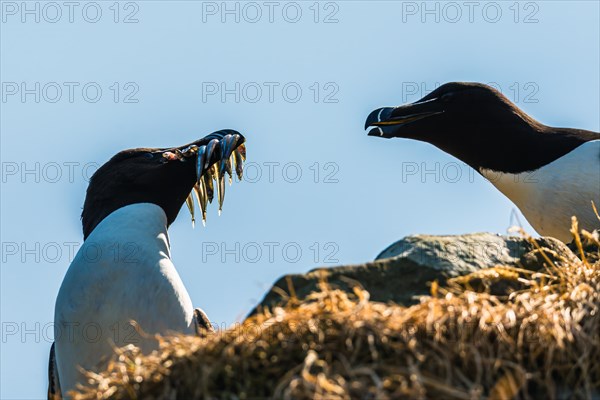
column 215, row 155
column 388, row 121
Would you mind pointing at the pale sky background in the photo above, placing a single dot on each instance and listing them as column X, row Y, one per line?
column 370, row 54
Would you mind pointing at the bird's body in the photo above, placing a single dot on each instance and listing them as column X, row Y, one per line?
column 549, row 196
column 122, row 287
column 550, row 173
column 123, row 272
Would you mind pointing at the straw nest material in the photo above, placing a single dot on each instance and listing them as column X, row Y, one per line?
column 540, row 339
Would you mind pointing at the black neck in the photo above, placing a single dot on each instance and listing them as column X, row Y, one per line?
column 519, row 150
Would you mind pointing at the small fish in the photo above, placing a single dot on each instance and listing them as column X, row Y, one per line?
column 223, row 153
column 208, row 185
column 190, row 150
column 200, row 161
column 190, row 204
column 213, row 161
column 210, row 150
column 228, row 167
column 220, row 187
column 180, row 156
column 202, row 200
column 242, row 150
column 239, row 164
column 216, row 172
column 227, row 146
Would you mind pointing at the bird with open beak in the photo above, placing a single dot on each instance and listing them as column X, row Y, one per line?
column 550, row 173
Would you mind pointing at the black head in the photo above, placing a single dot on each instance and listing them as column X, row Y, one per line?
column 163, row 176
column 479, row 125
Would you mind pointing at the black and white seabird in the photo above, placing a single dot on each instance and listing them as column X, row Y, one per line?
column 123, row 271
column 551, row 174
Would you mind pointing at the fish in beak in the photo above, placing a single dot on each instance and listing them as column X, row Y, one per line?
column 222, row 154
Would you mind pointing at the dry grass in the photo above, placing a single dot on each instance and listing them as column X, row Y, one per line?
column 540, row 341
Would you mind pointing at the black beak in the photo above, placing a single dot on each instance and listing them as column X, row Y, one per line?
column 387, row 121
column 376, row 116
column 375, row 119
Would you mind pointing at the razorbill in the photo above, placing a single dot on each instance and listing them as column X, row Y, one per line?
column 123, row 271
column 550, row 173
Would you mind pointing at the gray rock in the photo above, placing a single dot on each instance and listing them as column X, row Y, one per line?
column 458, row 254
column 405, row 270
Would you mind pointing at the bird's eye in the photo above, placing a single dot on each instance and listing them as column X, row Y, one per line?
column 447, row 97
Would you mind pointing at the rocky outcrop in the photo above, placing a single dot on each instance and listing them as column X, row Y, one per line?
column 405, row 270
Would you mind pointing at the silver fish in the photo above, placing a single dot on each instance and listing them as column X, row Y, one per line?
column 200, row 161
column 177, row 154
column 242, row 150
column 229, row 166
column 190, row 204
column 220, row 187
column 202, row 201
column 208, row 186
column 239, row 164
column 227, row 146
column 210, row 149
column 190, row 150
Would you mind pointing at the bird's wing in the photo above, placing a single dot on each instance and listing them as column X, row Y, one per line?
column 53, row 382
column 202, row 324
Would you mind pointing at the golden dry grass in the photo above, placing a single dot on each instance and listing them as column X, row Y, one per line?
column 540, row 341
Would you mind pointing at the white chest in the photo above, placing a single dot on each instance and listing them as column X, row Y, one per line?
column 550, row 195
column 122, row 272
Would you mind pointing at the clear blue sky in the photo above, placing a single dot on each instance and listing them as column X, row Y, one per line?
column 368, row 192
